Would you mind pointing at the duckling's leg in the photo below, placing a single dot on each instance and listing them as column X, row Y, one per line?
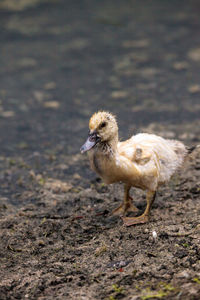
column 126, row 205
column 150, row 197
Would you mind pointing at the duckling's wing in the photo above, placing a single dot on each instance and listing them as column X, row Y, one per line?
column 135, row 152
column 168, row 155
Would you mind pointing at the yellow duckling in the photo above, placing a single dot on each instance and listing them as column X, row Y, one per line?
column 144, row 161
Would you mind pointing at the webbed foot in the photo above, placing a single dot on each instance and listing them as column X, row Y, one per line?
column 128, row 221
column 124, row 208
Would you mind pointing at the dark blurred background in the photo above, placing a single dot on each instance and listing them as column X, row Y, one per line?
column 62, row 60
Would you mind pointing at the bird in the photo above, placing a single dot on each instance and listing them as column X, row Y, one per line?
column 144, row 161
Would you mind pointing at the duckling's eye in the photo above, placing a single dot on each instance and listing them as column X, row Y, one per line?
column 103, row 124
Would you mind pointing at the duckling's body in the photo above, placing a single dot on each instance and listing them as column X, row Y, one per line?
column 144, row 161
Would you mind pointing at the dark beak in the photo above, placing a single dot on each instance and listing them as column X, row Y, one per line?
column 91, row 141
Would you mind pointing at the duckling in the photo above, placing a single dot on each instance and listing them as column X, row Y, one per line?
column 144, row 161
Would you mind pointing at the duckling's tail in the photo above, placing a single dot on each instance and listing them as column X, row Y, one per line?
column 191, row 149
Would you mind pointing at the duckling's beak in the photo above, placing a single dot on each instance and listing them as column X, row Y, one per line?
column 91, row 141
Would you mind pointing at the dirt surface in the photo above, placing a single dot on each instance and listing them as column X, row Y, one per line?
column 60, row 62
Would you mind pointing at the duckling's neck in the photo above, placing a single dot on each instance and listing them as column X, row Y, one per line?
column 108, row 147
column 102, row 157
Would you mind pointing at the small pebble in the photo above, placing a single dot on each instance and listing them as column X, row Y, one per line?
column 118, row 264
column 154, row 234
column 183, row 274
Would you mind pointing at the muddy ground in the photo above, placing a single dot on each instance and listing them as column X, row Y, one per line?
column 60, row 62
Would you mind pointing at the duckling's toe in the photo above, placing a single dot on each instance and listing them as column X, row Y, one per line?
column 119, row 211
column 124, row 208
column 128, row 221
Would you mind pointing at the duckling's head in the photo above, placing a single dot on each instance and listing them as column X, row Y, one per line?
column 103, row 129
